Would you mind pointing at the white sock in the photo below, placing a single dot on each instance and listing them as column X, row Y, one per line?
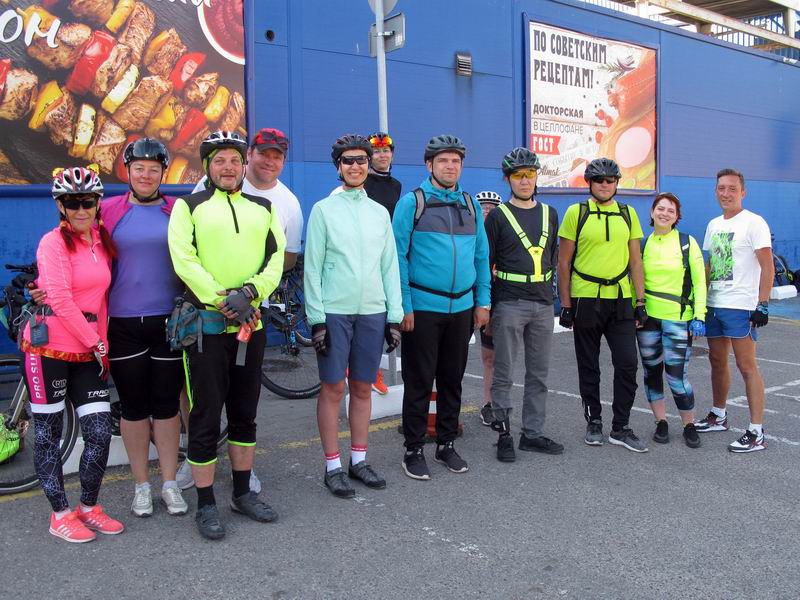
column 332, row 461
column 358, row 454
column 143, row 486
column 758, row 429
column 720, row 412
column 62, row 513
column 85, row 509
column 169, row 484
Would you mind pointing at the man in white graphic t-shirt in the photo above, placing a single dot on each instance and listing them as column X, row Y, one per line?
column 740, row 273
column 265, row 160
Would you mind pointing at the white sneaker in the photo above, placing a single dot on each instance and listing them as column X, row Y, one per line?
column 184, row 476
column 173, row 500
column 255, row 483
column 142, row 505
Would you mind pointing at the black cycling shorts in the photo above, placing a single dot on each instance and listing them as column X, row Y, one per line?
column 50, row 381
column 215, row 381
column 148, row 375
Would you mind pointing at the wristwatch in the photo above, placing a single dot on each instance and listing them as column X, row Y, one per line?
column 486, row 307
column 640, row 301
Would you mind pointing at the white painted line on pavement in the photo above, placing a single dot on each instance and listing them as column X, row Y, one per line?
column 469, row 549
column 649, row 412
column 789, row 396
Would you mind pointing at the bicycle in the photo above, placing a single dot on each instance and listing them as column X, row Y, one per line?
column 783, row 273
column 17, row 473
column 289, row 368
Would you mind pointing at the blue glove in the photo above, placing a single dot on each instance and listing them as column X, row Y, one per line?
column 697, row 328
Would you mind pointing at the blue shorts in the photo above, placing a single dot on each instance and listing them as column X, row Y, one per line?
column 729, row 322
column 355, row 343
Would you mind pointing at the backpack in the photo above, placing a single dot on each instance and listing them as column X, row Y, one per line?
column 686, row 291
column 584, row 212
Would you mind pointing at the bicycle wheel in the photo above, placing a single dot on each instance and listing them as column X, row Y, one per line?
column 183, row 442
column 18, row 473
column 294, row 293
column 290, row 373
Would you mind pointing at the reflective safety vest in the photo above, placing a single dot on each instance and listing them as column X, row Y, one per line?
column 536, row 252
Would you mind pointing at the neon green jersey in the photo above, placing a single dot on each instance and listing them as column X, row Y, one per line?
column 596, row 255
column 663, row 272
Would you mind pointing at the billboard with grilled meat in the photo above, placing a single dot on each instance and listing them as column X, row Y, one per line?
column 80, row 79
column 590, row 97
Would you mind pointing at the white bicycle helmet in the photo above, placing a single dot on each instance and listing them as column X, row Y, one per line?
column 488, row 197
column 76, row 180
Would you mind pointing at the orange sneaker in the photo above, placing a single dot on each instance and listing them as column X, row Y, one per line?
column 379, row 386
column 70, row 528
column 99, row 521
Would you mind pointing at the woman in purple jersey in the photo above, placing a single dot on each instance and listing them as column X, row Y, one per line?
column 148, row 376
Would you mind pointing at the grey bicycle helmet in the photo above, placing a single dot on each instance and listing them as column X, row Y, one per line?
column 349, row 141
column 219, row 140
column 488, row 197
column 602, row 167
column 520, row 158
column 146, row 149
column 444, row 143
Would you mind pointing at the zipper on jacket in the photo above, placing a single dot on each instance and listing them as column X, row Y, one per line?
column 233, row 212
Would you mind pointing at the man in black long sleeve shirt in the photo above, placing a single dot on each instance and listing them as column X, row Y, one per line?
column 380, row 185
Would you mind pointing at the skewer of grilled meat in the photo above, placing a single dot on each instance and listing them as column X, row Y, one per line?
column 97, row 11
column 163, row 52
column 107, row 143
column 234, row 113
column 18, row 91
column 138, row 30
column 199, row 90
column 112, row 70
column 146, row 99
column 70, row 38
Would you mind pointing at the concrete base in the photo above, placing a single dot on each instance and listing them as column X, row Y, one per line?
column 782, row 292
column 116, row 455
column 389, row 405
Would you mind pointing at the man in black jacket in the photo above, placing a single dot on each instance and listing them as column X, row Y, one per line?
column 380, row 185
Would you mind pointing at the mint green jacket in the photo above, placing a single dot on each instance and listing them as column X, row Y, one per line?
column 351, row 259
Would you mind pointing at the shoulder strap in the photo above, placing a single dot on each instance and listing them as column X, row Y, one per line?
column 625, row 212
column 512, row 220
column 686, row 291
column 420, row 197
column 470, row 206
column 644, row 244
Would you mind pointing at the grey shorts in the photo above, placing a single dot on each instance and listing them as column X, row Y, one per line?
column 355, row 343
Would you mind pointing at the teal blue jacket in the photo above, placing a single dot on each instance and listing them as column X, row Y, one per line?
column 351, row 259
column 447, row 252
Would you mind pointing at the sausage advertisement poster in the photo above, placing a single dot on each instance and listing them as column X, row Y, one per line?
column 79, row 79
column 591, row 97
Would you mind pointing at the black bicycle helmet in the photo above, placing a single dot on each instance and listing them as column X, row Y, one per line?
column 444, row 143
column 520, row 158
column 219, row 140
column 349, row 141
column 602, row 167
column 146, row 149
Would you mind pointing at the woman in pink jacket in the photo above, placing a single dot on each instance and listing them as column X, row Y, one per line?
column 66, row 352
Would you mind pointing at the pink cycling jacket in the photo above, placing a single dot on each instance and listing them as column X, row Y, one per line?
column 76, row 283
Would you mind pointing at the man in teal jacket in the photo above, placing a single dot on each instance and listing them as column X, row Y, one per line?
column 445, row 282
column 353, row 304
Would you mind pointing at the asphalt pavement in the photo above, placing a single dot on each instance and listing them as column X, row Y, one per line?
column 595, row 522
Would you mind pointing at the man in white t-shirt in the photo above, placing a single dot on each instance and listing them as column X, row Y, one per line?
column 266, row 158
column 740, row 274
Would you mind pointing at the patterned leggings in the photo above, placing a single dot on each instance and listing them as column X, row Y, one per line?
column 666, row 346
column 96, row 430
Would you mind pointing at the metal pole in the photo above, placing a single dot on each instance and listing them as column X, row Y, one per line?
column 383, row 117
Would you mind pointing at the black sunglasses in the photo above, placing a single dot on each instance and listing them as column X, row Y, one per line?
column 78, row 203
column 604, row 180
column 352, row 160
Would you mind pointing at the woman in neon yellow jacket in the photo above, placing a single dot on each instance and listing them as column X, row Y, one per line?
column 675, row 298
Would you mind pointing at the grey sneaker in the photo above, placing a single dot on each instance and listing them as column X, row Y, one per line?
column 486, row 415
column 625, row 437
column 252, row 506
column 142, row 505
column 594, row 433
column 208, row 523
column 184, row 477
column 173, row 500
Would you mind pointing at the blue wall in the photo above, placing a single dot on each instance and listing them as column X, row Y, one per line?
column 719, row 105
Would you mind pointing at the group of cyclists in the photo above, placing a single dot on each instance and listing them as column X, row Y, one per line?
column 419, row 271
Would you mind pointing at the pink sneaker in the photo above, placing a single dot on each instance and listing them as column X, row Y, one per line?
column 70, row 528
column 99, row 521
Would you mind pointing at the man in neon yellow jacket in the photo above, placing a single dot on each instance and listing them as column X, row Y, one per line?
column 353, row 304
column 227, row 247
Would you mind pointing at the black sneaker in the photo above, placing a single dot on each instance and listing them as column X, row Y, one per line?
column 208, row 523
column 539, row 444
column 661, row 434
column 446, row 454
column 336, row 482
column 594, row 433
column 505, row 448
column 366, row 475
column 690, row 436
column 626, row 438
column 252, row 506
column 414, row 465
column 486, row 415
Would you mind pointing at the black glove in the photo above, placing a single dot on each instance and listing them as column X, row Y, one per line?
column 320, row 338
column 760, row 316
column 391, row 333
column 566, row 319
column 239, row 301
column 640, row 314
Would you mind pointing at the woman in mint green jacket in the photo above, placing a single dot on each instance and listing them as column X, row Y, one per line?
column 353, row 304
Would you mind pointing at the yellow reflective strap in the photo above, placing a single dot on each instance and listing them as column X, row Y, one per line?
column 535, row 251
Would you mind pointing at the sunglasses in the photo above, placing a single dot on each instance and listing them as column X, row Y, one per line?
column 78, row 203
column 522, row 174
column 604, row 180
column 355, row 160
